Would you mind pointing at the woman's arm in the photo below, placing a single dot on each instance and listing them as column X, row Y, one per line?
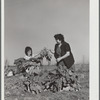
column 51, row 51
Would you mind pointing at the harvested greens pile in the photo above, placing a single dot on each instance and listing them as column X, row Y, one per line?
column 35, row 79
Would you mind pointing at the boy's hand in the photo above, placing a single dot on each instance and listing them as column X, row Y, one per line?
column 58, row 59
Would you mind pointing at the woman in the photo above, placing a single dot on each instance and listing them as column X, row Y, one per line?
column 28, row 53
column 28, row 57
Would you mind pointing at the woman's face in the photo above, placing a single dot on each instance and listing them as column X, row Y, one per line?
column 58, row 41
column 29, row 53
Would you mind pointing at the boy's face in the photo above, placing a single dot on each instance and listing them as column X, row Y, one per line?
column 58, row 41
column 29, row 53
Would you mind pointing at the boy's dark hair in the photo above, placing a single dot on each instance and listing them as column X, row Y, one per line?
column 27, row 49
column 59, row 37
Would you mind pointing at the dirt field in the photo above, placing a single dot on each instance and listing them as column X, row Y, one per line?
column 14, row 90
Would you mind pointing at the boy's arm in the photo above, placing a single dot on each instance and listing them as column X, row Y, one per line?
column 67, row 49
column 63, row 57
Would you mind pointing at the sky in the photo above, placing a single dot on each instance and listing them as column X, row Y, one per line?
column 35, row 22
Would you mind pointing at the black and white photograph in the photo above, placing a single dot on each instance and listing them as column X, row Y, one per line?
column 46, row 50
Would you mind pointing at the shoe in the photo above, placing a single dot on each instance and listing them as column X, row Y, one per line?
column 67, row 88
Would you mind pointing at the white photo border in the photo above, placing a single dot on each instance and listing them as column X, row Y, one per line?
column 93, row 49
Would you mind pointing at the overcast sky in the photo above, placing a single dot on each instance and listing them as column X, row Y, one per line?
column 35, row 22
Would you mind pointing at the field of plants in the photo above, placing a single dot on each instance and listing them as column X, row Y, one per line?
column 15, row 90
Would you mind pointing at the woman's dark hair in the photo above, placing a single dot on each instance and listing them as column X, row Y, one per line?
column 59, row 37
column 27, row 49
